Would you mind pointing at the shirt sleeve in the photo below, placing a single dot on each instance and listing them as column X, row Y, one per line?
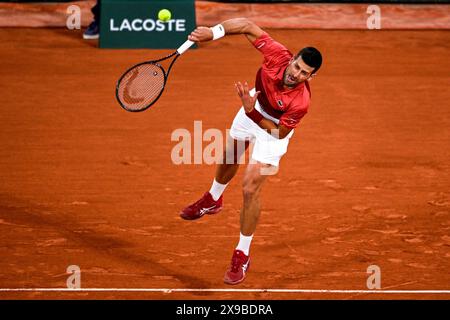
column 292, row 117
column 274, row 52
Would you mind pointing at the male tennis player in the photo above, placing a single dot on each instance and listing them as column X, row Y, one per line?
column 267, row 118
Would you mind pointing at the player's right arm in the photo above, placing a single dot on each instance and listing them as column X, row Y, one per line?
column 231, row 26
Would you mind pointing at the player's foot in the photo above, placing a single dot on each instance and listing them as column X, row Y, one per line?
column 92, row 32
column 240, row 264
column 206, row 205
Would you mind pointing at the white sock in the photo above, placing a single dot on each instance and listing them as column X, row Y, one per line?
column 244, row 243
column 217, row 189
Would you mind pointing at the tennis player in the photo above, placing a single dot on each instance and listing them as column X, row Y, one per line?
column 269, row 114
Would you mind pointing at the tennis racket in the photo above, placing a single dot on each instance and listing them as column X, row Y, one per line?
column 142, row 85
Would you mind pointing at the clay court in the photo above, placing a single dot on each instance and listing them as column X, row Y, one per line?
column 365, row 182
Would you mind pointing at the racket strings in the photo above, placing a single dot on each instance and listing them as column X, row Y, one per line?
column 141, row 86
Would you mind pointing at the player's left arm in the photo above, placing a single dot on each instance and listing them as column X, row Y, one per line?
column 231, row 26
column 276, row 130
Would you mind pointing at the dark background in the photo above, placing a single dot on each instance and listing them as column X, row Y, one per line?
column 293, row 1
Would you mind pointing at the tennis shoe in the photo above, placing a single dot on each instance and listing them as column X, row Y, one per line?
column 240, row 264
column 206, row 205
column 92, row 32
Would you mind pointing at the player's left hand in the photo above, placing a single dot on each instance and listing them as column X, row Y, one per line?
column 248, row 101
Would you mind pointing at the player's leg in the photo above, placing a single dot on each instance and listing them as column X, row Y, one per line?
column 266, row 155
column 93, row 30
column 229, row 164
column 254, row 178
column 251, row 188
column 211, row 201
column 237, row 143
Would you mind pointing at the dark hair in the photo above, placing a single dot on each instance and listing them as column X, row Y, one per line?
column 311, row 56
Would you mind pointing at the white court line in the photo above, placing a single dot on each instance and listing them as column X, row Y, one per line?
column 168, row 290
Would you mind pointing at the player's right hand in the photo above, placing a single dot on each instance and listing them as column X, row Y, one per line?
column 201, row 34
column 248, row 101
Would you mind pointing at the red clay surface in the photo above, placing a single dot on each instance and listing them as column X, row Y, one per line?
column 365, row 181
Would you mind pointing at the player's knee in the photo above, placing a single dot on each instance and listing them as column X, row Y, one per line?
column 250, row 190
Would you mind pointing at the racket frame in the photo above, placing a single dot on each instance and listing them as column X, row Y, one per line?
column 183, row 48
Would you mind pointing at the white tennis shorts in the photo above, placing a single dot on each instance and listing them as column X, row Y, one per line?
column 267, row 149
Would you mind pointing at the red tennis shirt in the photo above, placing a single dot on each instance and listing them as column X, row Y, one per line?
column 287, row 105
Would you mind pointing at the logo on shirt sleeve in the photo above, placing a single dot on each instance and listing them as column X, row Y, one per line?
column 290, row 121
column 280, row 103
column 262, row 44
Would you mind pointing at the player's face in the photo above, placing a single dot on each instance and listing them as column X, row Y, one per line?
column 296, row 72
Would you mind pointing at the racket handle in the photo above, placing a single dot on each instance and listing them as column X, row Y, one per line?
column 185, row 46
